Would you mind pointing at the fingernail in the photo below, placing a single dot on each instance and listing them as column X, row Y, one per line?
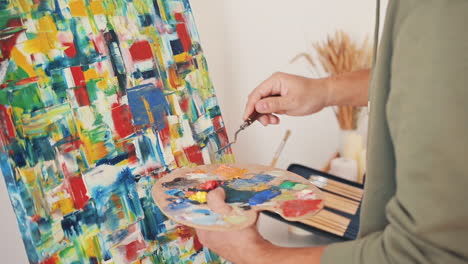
column 261, row 106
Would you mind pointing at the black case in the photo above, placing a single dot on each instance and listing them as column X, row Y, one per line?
column 351, row 232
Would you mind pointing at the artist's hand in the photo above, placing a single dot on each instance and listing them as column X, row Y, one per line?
column 295, row 96
column 240, row 247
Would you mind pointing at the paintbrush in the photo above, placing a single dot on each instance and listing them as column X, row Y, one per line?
column 249, row 121
column 280, row 148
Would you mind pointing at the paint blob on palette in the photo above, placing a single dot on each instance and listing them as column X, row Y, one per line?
column 182, row 195
column 98, row 100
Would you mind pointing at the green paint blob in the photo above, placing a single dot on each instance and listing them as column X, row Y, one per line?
column 288, row 185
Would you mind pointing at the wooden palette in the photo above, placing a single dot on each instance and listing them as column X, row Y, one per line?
column 181, row 195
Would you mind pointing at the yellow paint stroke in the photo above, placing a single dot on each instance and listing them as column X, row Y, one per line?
column 230, row 172
column 29, row 174
column 199, row 197
column 162, row 10
column 148, row 110
column 22, row 62
column 45, row 40
column 25, row 6
column 65, row 205
column 78, row 8
column 180, row 157
column 97, row 8
column 182, row 57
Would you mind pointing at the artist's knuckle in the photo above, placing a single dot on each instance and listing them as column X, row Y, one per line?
column 277, row 75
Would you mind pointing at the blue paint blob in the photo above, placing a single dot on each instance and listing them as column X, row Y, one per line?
column 176, row 193
column 242, row 184
column 178, row 204
column 264, row 196
column 148, row 94
column 236, row 196
column 202, row 211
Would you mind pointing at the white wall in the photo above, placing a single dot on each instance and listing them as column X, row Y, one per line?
column 245, row 41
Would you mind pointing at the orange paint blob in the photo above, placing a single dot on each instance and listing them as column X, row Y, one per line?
column 230, row 172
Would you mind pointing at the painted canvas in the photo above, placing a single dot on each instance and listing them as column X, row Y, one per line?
column 98, row 100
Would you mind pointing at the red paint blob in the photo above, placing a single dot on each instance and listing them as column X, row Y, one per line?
column 133, row 248
column 209, row 185
column 52, row 260
column 194, row 154
column 82, row 97
column 70, row 51
column 297, row 208
column 141, row 51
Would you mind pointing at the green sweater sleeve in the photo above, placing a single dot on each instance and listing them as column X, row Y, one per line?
column 427, row 111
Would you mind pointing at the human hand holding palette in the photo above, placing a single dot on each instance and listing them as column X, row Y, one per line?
column 182, row 195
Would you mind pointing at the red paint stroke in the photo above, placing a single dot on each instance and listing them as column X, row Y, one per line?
column 78, row 75
column 141, row 51
column 130, row 150
column 209, row 185
column 9, row 41
column 223, row 140
column 78, row 192
column 194, row 154
column 27, row 81
column 70, row 146
column 6, row 122
column 100, row 44
column 185, row 104
column 52, row 260
column 122, row 117
column 165, row 135
column 297, row 208
column 36, row 218
column 184, row 232
column 182, row 31
column 131, row 250
column 218, row 123
column 70, row 51
column 82, row 97
column 197, row 245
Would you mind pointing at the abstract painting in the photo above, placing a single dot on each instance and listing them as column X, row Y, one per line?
column 98, row 100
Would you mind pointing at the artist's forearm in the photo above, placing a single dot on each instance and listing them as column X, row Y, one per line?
column 282, row 255
column 349, row 89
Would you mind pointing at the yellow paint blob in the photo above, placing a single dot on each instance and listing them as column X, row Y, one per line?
column 91, row 74
column 22, row 62
column 199, row 197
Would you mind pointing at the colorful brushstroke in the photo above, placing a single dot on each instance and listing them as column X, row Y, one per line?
column 99, row 99
column 186, row 196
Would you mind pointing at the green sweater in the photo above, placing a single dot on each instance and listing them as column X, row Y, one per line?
column 415, row 208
